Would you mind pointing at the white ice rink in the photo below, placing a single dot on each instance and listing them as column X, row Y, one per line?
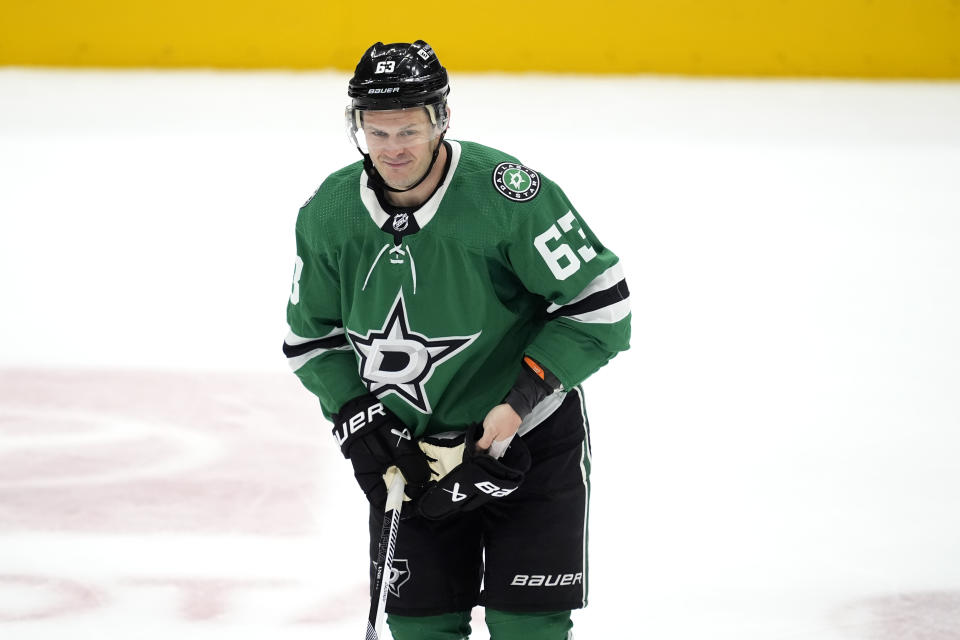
column 777, row 457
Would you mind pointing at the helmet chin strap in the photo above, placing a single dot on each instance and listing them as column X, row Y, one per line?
column 378, row 181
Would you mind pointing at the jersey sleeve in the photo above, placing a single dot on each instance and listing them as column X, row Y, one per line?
column 316, row 346
column 556, row 256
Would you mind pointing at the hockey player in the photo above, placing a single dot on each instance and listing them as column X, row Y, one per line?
column 445, row 297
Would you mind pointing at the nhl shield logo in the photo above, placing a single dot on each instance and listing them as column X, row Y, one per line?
column 516, row 182
column 400, row 221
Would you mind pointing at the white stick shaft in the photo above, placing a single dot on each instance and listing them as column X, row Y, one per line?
column 499, row 447
column 392, row 511
column 388, row 543
column 395, row 493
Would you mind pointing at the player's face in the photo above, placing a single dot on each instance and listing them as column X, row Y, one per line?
column 401, row 144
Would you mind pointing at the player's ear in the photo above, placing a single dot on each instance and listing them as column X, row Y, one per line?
column 446, row 108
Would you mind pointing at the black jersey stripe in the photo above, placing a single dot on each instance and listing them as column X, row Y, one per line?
column 331, row 342
column 595, row 301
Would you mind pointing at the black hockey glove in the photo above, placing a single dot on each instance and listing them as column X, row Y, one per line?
column 478, row 479
column 374, row 439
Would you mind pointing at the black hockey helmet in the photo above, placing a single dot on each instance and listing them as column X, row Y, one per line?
column 397, row 76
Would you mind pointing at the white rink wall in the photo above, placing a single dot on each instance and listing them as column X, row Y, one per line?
column 776, row 457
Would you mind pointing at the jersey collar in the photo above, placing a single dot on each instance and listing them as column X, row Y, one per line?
column 427, row 210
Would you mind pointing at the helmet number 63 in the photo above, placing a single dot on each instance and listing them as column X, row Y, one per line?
column 561, row 260
column 385, row 66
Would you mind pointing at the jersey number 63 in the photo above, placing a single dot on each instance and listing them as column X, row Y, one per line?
column 563, row 262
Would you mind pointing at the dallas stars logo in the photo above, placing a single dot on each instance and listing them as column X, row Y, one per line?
column 399, row 575
column 398, row 360
column 516, row 182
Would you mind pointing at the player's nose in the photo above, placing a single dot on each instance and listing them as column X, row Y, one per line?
column 394, row 147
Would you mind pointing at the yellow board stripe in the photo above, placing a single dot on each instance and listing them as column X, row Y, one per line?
column 844, row 38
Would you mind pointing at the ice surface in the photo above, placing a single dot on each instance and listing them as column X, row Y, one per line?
column 776, row 457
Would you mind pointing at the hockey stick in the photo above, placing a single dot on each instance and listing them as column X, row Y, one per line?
column 499, row 447
column 384, row 569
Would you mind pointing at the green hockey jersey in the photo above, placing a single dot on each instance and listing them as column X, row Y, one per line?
column 433, row 310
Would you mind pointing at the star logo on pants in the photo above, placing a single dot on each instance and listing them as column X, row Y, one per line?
column 399, row 574
column 396, row 359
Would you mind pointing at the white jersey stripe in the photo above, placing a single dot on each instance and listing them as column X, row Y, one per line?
column 298, row 361
column 607, row 315
column 604, row 281
column 293, row 339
